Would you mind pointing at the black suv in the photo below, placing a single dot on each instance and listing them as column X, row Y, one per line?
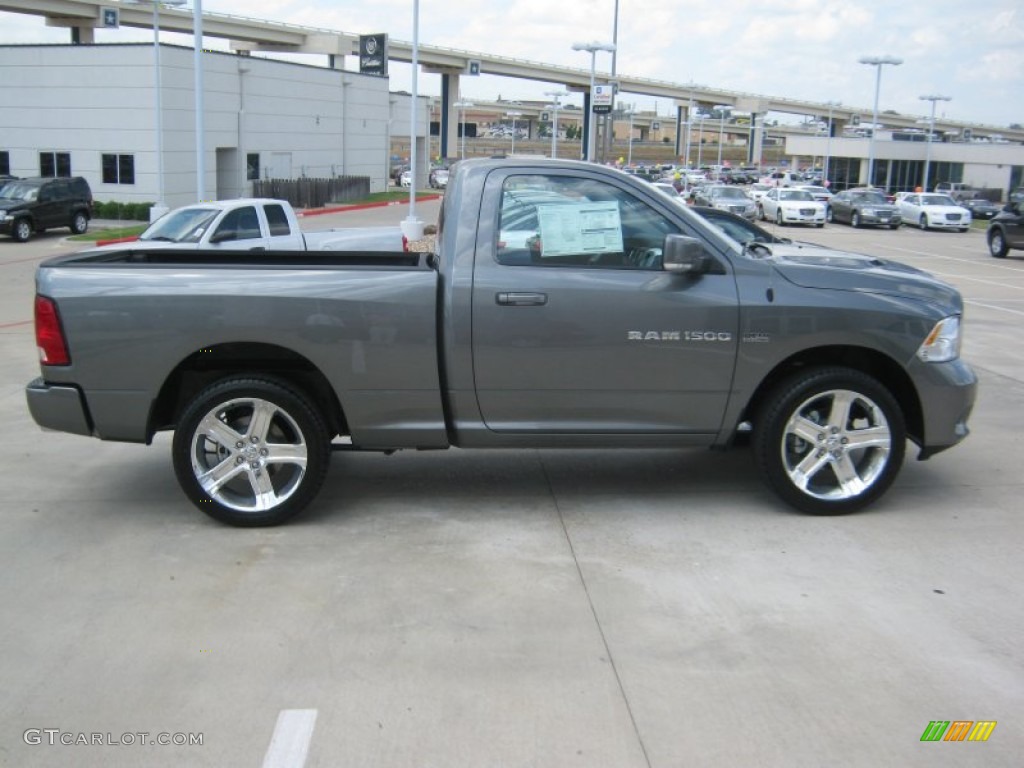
column 35, row 205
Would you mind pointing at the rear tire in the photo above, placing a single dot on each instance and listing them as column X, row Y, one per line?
column 79, row 223
column 829, row 441
column 251, row 451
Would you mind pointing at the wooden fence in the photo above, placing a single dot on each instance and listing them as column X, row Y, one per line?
column 314, row 193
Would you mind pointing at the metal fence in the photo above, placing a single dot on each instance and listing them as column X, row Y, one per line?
column 314, row 193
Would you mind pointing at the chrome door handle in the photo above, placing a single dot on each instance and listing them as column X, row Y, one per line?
column 520, row 299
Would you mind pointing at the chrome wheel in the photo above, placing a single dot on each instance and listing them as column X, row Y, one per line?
column 251, row 451
column 248, row 454
column 836, row 445
column 829, row 440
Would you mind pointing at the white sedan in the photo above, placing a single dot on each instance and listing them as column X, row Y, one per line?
column 791, row 206
column 933, row 211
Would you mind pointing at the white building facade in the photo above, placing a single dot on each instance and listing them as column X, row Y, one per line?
column 90, row 110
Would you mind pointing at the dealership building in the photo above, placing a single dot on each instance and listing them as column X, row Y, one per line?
column 90, row 110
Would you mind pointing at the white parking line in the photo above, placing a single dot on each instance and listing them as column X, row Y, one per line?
column 289, row 745
column 994, row 306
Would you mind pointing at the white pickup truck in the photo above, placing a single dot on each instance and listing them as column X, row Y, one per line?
column 258, row 224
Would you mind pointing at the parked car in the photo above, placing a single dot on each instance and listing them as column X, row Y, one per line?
column 791, row 206
column 725, row 198
column 981, row 208
column 254, row 224
column 863, row 206
column 757, row 190
column 405, row 179
column 39, row 204
column 438, row 178
column 1006, row 231
column 934, row 211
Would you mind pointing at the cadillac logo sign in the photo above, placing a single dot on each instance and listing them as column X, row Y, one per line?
column 373, row 54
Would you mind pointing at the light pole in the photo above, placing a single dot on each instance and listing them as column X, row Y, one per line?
column 722, row 109
column 828, row 143
column 629, row 153
column 513, row 114
column 411, row 226
column 463, row 105
column 197, row 60
column 931, row 130
column 877, row 62
column 592, row 48
column 160, row 208
column 689, row 129
column 554, row 106
column 700, row 138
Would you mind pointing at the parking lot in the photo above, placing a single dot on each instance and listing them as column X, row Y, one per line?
column 519, row 608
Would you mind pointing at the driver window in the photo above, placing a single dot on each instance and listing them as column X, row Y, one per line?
column 555, row 221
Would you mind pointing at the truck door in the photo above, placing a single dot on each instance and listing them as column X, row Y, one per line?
column 576, row 326
column 240, row 230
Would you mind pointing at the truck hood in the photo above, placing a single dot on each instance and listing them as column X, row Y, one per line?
column 824, row 268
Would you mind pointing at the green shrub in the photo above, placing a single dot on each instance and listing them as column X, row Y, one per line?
column 121, row 211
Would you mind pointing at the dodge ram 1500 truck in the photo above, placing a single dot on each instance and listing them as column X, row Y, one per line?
column 565, row 305
column 257, row 224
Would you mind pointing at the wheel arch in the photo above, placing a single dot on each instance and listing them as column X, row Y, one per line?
column 879, row 366
column 207, row 365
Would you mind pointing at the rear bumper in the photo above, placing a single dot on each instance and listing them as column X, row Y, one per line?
column 59, row 408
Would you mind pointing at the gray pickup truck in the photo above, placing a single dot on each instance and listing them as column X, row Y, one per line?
column 566, row 305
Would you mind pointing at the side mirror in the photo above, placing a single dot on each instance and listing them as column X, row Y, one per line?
column 685, row 256
column 223, row 236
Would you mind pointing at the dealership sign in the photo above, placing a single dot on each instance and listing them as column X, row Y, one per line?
column 373, row 54
column 601, row 99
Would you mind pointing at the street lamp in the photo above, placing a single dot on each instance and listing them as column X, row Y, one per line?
column 631, row 111
column 160, row 208
column 877, row 62
column 700, row 138
column 828, row 144
column 554, row 106
column 722, row 109
column 411, row 226
column 592, row 48
column 513, row 114
column 463, row 105
column 931, row 130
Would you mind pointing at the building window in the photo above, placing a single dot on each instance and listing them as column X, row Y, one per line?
column 118, row 169
column 5, row 163
column 252, row 166
column 55, row 164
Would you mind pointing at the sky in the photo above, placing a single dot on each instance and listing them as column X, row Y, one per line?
column 802, row 49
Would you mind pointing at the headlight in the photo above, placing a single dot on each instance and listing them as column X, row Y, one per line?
column 868, row 211
column 3, row 215
column 943, row 343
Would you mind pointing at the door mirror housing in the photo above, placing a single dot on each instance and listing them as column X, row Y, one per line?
column 686, row 256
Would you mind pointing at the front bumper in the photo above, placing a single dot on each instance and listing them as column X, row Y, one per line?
column 881, row 219
column 58, row 407
column 797, row 217
column 947, row 392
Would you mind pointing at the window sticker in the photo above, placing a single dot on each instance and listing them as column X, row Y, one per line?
column 591, row 227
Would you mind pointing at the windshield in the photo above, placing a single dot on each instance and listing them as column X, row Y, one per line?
column 728, row 193
column 873, row 197
column 183, row 226
column 14, row 190
column 936, row 200
column 795, row 194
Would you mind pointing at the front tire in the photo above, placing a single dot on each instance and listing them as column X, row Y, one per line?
column 22, row 230
column 830, row 441
column 251, row 451
column 923, row 222
column 778, row 216
column 997, row 243
column 829, row 216
column 855, row 219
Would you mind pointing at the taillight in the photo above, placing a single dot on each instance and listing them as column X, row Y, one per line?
column 49, row 336
column 405, row 244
